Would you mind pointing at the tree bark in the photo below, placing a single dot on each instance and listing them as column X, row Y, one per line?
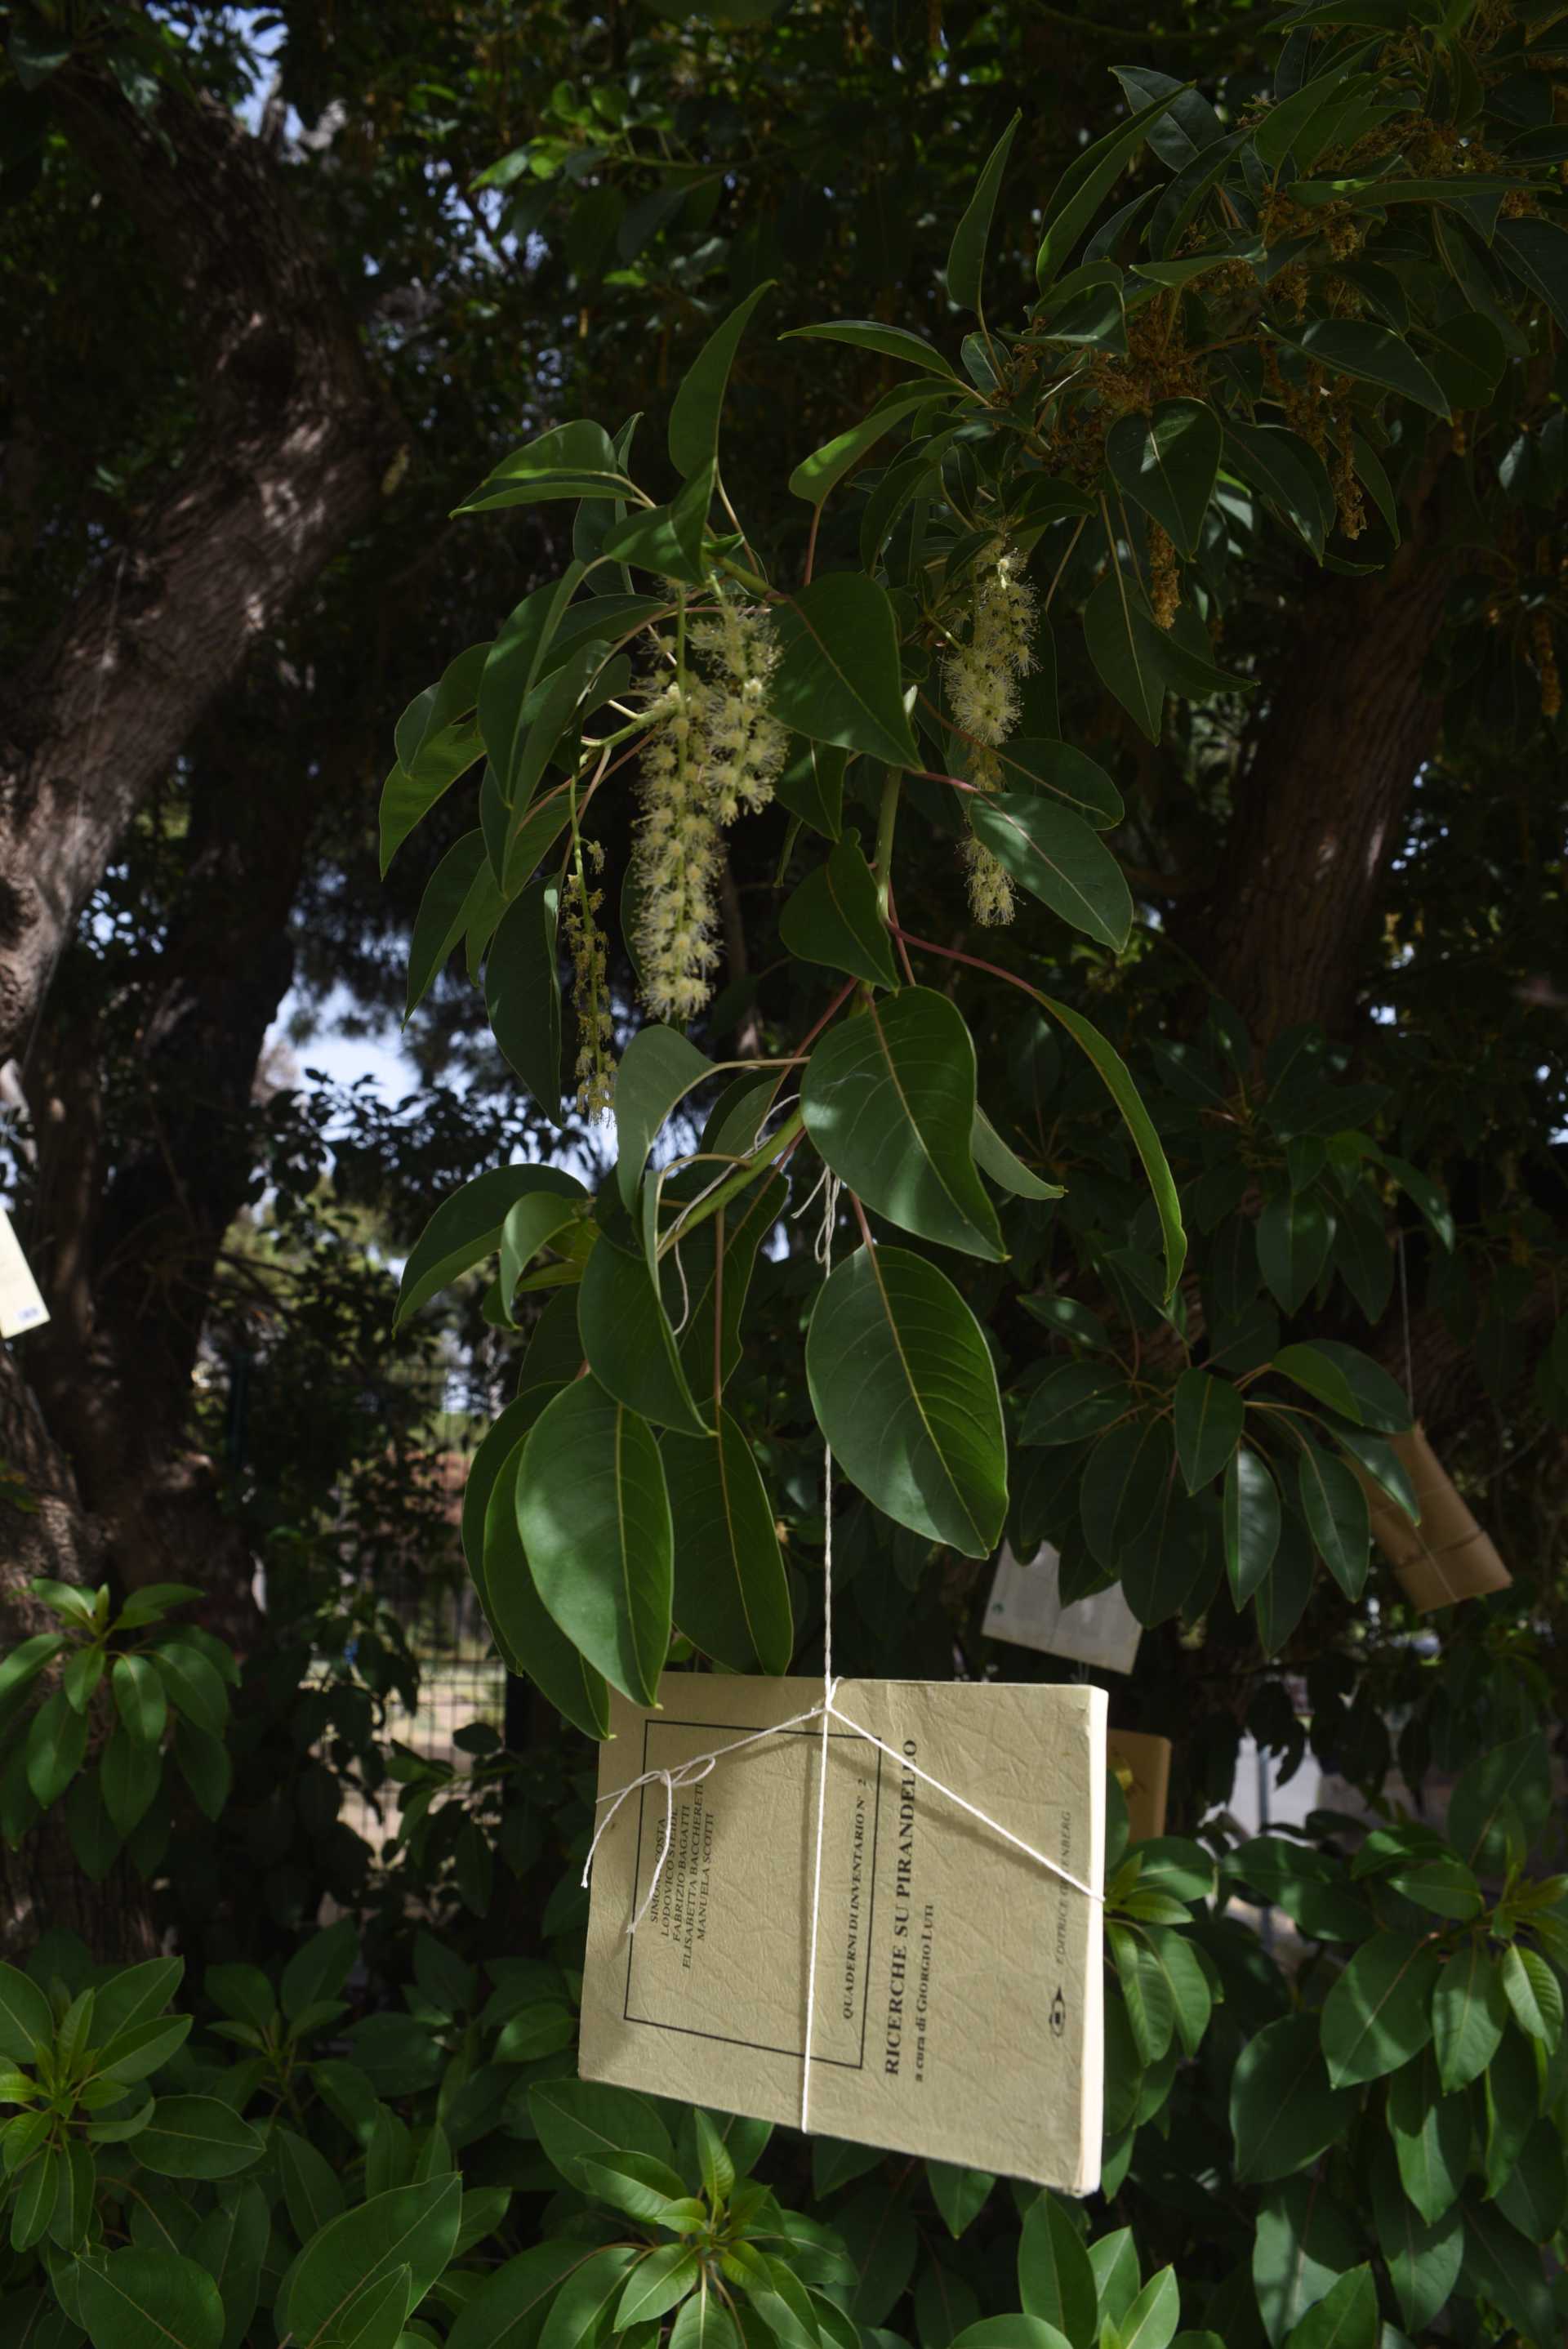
column 290, row 457
column 1282, row 933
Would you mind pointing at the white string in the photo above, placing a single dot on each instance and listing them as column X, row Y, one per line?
column 693, row 1772
column 830, row 1685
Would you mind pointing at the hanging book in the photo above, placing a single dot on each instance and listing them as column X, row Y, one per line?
column 1448, row 1556
column 957, row 2010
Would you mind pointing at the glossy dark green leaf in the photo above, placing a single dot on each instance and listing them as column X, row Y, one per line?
column 56, row 1749
column 1124, row 1484
column 522, row 992
column 1077, row 1399
column 1303, row 2242
column 1295, row 1235
column 658, row 1070
column 138, row 1699
column 529, row 1640
column 1289, row 473
column 573, row 461
column 704, row 1283
column 628, row 1343
column 1065, row 771
column 888, row 1098
column 1536, row 252
column 696, row 408
column 198, row 2136
column 815, row 476
column 139, row 2298
column 838, row 679
column 1250, row 1518
column 1470, row 2015
column 870, row 334
column 1114, row 1074
column 1422, row 2259
column 467, row 1226
column 1085, row 184
column 1209, row 1418
column 1431, row 2137
column 1334, row 1507
column 1283, row 2111
column 1345, row 2318
column 1168, row 462
column 413, row 2227
column 1053, row 853
column 1350, row 1382
column 833, row 918
column 997, row 1159
column 967, row 254
column 904, row 1391
column 1122, row 652
column 811, row 786
column 1356, row 346
column 1379, row 2012
column 595, row 1519
column 508, row 2309
column 731, row 1594
column 958, row 2193
column 1055, row 2281
column 445, row 911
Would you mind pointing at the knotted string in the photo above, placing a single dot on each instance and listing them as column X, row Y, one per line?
column 693, row 1772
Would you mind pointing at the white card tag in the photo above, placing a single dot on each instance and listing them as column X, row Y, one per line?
column 1026, row 1608
column 21, row 1307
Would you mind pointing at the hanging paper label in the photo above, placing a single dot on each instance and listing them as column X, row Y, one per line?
column 1025, row 1607
column 958, row 2009
column 21, row 1307
column 1140, row 1765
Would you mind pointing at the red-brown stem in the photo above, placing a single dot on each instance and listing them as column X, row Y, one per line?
column 812, row 544
column 898, row 934
column 952, row 954
column 931, row 776
column 861, row 1219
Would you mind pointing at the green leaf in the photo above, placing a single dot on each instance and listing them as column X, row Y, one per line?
column 1055, row 2281
column 699, row 402
column 469, row 1226
column 1011, row 2333
column 1146, row 1993
column 659, row 2282
column 1374, row 354
column 1006, row 1170
column 888, row 1099
column 1151, row 2321
column 312, row 2187
column 56, row 1749
column 413, row 2227
column 1304, row 2242
column 1470, row 2015
column 1536, row 252
column 1209, row 1418
column 522, row 993
column 1283, row 2111
column 1288, row 472
column 627, row 1340
column 1337, row 1517
column 508, row 2307
column 140, row 1699
column 838, row 679
column 192, row 1686
column 1534, row 1993
column 529, row 1640
column 445, row 911
column 1088, row 181
column 27, row 1660
column 1345, row 2318
column 1431, row 2136
column 1122, row 652
column 1058, row 858
column 1295, row 1233
column 967, row 254
column 904, row 1390
column 1502, row 1798
column 573, row 461
column 657, row 1071
column 833, row 918
column 595, row 1519
column 667, row 540
column 714, row 2159
column 704, row 2322
column 892, row 342
column 815, row 476
column 535, row 1222
column 138, row 2299
column 1376, row 2017
column 1500, row 2267
column 731, row 1593
column 1348, row 1381
column 959, row 2194
column 135, row 1995
column 584, row 2120
column 142, row 2048
column 1249, row 1517
column 1124, row 1484
column 1423, row 2261
column 198, row 2136
column 374, row 2319
column 1068, row 773
column 1076, row 1401
column 811, row 786
column 1113, row 1073
column 1168, row 462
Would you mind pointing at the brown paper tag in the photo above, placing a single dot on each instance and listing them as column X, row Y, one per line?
column 1141, row 1766
column 958, row 2009
column 21, row 1307
column 1025, row 1607
column 1448, row 1556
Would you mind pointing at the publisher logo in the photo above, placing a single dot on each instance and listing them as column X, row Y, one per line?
column 1058, row 2015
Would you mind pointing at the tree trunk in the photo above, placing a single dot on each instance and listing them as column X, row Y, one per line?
column 1283, row 931
column 289, row 460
